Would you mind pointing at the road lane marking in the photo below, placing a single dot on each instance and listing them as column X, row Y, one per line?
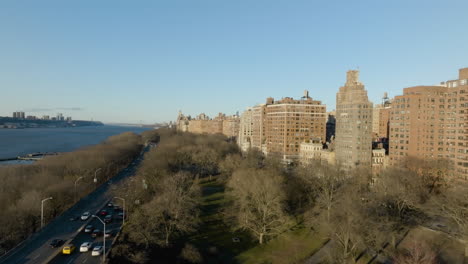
column 84, row 260
column 71, row 260
column 36, row 256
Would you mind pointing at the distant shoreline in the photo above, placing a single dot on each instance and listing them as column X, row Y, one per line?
column 18, row 123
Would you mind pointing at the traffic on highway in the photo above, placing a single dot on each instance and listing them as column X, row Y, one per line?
column 62, row 239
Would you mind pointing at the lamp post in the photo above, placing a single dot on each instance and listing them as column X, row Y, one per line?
column 95, row 179
column 42, row 210
column 123, row 222
column 81, row 177
column 104, row 239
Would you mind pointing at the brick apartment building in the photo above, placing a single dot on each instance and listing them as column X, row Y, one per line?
column 430, row 122
column 203, row 124
column 353, row 124
column 279, row 127
column 289, row 122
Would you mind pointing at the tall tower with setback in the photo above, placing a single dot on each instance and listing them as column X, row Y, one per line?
column 353, row 124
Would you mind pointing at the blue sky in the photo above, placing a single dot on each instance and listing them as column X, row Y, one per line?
column 142, row 61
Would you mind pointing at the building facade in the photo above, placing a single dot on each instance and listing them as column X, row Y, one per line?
column 244, row 140
column 314, row 151
column 431, row 122
column 289, row 122
column 353, row 141
column 203, row 124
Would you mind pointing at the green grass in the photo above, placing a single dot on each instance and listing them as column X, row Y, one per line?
column 214, row 237
column 290, row 247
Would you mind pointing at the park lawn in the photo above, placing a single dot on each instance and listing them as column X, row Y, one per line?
column 290, row 247
column 214, row 237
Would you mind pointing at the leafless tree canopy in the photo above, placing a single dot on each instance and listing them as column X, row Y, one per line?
column 23, row 187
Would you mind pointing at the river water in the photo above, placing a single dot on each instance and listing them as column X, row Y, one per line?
column 18, row 142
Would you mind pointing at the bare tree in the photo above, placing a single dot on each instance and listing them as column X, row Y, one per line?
column 323, row 183
column 258, row 201
column 174, row 210
column 418, row 252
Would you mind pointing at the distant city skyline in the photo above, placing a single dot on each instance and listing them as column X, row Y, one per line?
column 143, row 62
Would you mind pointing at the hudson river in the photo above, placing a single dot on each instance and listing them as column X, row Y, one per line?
column 17, row 142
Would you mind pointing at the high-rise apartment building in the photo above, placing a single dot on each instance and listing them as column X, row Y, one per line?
column 258, row 127
column 353, row 142
column 19, row 115
column 289, row 122
column 431, row 122
column 244, row 140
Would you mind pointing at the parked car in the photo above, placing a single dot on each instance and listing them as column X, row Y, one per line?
column 108, row 233
column 89, row 229
column 74, row 218
column 96, row 233
column 97, row 251
column 103, row 212
column 56, row 242
column 86, row 246
column 108, row 219
column 68, row 249
column 117, row 208
column 110, row 205
column 85, row 216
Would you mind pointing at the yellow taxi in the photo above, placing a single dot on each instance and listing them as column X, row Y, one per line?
column 68, row 249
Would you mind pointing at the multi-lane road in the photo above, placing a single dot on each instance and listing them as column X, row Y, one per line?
column 36, row 249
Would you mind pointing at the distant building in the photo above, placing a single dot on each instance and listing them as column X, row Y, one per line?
column 353, row 124
column 289, row 122
column 19, row 115
column 430, row 122
column 203, row 124
column 313, row 150
column 258, row 127
column 330, row 126
column 379, row 159
column 182, row 122
column 45, row 117
column 244, row 140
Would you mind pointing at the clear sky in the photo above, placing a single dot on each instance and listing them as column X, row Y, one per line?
column 132, row 61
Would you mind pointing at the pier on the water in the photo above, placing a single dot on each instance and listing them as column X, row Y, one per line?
column 32, row 156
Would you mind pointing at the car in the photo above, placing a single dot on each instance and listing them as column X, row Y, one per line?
column 97, row 251
column 110, row 205
column 117, row 208
column 86, row 246
column 89, row 229
column 56, row 242
column 103, row 212
column 120, row 216
column 68, row 249
column 108, row 233
column 108, row 219
column 96, row 233
column 85, row 216
column 73, row 218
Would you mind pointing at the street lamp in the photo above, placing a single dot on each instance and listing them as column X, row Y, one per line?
column 95, row 179
column 123, row 222
column 76, row 183
column 42, row 211
column 104, row 238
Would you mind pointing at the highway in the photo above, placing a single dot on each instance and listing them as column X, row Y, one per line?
column 36, row 249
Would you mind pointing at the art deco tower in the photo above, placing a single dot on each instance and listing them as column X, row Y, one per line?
column 353, row 124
